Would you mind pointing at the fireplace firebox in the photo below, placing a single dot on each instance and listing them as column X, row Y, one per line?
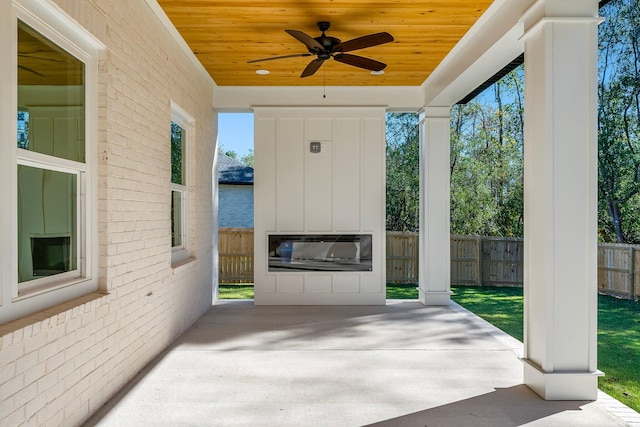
column 320, row 252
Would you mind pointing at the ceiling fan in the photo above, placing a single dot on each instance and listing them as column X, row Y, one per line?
column 325, row 47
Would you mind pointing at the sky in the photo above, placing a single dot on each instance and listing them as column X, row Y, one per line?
column 235, row 132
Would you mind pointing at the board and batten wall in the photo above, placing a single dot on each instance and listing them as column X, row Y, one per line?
column 340, row 190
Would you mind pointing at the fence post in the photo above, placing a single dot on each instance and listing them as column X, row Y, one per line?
column 632, row 274
column 479, row 261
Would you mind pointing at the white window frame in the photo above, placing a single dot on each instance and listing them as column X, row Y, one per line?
column 186, row 122
column 19, row 300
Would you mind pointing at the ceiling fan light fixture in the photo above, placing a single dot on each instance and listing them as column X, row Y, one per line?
column 377, row 73
column 262, row 72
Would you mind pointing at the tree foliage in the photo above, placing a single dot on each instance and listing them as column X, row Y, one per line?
column 486, row 147
column 177, row 150
column 403, row 178
column 485, row 169
column 247, row 159
column 486, row 161
column 619, row 122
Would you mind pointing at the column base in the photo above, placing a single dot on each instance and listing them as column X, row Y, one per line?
column 434, row 298
column 561, row 385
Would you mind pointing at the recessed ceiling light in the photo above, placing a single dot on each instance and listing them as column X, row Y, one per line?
column 377, row 73
column 262, row 72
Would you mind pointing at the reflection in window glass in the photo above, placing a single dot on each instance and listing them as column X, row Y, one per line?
column 50, row 97
column 176, row 219
column 23, row 130
column 47, row 222
column 177, row 151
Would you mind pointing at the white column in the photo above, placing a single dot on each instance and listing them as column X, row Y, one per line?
column 560, row 206
column 434, row 251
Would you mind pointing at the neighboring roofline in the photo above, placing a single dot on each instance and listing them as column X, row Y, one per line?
column 235, row 183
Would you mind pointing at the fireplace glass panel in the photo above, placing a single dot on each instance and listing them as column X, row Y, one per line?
column 326, row 252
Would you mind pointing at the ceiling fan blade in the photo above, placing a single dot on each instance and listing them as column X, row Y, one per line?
column 360, row 61
column 312, row 67
column 279, row 57
column 364, row 41
column 311, row 43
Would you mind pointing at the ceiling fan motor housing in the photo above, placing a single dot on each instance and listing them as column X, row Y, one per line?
column 325, row 47
column 327, row 42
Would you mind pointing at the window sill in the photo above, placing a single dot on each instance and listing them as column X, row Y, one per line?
column 181, row 264
column 72, row 308
column 37, row 290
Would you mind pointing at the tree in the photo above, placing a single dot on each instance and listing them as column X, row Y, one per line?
column 486, row 147
column 486, row 169
column 403, row 178
column 619, row 122
column 248, row 159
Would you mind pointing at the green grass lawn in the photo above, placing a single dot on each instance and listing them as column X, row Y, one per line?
column 502, row 307
column 240, row 291
column 618, row 333
column 618, row 328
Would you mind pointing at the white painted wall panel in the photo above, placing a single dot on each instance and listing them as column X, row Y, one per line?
column 343, row 283
column 290, row 174
column 319, row 129
column 264, row 196
column 290, row 283
column 318, row 189
column 264, row 173
column 346, row 185
column 318, row 175
column 373, row 174
column 317, row 283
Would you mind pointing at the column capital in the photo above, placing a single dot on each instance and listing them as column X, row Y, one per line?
column 435, row 112
column 545, row 12
column 542, row 22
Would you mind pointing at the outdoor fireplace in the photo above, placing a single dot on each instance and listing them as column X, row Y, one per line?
column 319, row 252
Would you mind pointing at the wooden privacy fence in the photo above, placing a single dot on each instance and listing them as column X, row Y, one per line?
column 235, row 255
column 474, row 261
column 402, row 257
column 619, row 270
column 494, row 261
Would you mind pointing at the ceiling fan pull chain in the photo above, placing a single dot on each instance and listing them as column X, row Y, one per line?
column 324, row 82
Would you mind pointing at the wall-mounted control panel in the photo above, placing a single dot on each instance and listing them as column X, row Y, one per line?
column 315, row 147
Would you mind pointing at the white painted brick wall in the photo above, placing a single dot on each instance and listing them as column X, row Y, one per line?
column 59, row 366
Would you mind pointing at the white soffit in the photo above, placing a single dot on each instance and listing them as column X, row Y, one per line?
column 493, row 42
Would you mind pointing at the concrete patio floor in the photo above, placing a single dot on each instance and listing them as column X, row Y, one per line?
column 402, row 364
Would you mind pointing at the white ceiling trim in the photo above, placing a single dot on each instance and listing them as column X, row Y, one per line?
column 491, row 43
column 243, row 98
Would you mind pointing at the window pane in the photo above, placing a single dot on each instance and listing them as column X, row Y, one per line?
column 176, row 219
column 47, row 222
column 23, row 130
column 177, row 154
column 51, row 93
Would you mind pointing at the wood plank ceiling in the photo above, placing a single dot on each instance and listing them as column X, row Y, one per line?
column 225, row 34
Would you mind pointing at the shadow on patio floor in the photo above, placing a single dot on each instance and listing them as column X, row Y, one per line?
column 394, row 365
